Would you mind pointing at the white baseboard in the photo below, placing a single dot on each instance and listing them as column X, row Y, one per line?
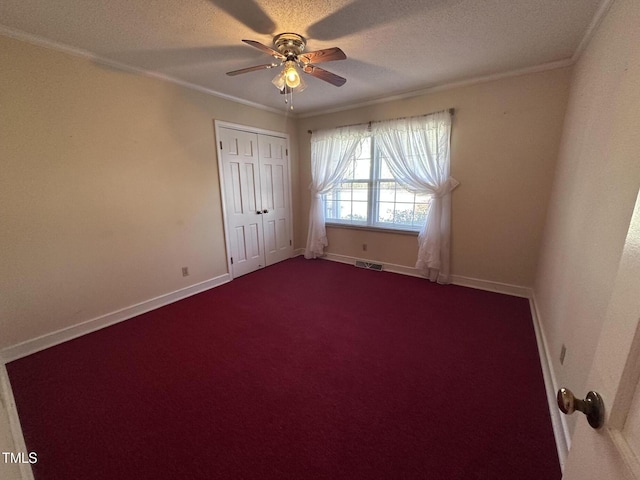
column 9, row 403
column 34, row 345
column 514, row 290
column 558, row 420
column 491, row 286
column 387, row 267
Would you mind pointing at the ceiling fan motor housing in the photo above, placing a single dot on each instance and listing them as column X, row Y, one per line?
column 289, row 44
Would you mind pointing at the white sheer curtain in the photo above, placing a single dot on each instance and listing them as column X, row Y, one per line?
column 331, row 153
column 417, row 152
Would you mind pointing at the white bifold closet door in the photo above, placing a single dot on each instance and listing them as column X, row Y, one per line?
column 256, row 189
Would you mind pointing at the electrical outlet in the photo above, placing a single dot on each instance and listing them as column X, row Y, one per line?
column 563, row 352
column 185, row 271
column 364, row 247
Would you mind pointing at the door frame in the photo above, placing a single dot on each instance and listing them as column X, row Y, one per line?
column 618, row 386
column 615, row 369
column 218, row 124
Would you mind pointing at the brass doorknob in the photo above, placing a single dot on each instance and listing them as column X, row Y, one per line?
column 592, row 406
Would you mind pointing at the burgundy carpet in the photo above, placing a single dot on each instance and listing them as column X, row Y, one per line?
column 306, row 369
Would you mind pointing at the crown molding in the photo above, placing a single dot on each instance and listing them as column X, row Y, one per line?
column 445, row 86
column 78, row 52
column 597, row 19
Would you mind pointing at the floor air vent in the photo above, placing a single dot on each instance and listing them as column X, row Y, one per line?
column 370, row 266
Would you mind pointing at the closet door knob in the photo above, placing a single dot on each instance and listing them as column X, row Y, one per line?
column 265, row 211
column 592, row 406
column 258, row 212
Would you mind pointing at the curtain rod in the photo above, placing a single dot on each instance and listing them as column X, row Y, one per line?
column 452, row 111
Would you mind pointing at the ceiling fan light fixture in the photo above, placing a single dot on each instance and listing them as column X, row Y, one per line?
column 301, row 85
column 291, row 75
column 289, row 78
column 279, row 81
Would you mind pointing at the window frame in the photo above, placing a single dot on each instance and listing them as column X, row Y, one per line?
column 373, row 200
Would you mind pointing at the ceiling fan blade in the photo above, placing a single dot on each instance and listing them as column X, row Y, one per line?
column 265, row 49
column 325, row 55
column 251, row 69
column 322, row 74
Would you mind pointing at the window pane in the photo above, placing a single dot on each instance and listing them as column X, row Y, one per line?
column 359, row 213
column 403, row 214
column 328, row 207
column 360, row 192
column 403, row 196
column 343, row 192
column 387, row 191
column 365, row 149
column 348, row 174
column 384, row 170
column 343, row 210
column 421, row 214
column 385, row 212
column 362, row 169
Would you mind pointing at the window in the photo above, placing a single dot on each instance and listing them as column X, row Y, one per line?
column 369, row 196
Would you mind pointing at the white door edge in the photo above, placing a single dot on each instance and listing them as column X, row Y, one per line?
column 626, row 452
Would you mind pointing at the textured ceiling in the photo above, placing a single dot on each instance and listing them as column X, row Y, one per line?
column 392, row 46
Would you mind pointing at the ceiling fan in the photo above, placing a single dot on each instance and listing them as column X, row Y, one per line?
column 289, row 53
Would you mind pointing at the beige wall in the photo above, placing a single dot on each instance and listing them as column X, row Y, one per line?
column 595, row 188
column 108, row 186
column 505, row 139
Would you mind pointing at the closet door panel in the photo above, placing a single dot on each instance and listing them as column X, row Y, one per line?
column 274, row 175
column 243, row 199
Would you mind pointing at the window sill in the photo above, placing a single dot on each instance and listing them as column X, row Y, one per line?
column 372, row 229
